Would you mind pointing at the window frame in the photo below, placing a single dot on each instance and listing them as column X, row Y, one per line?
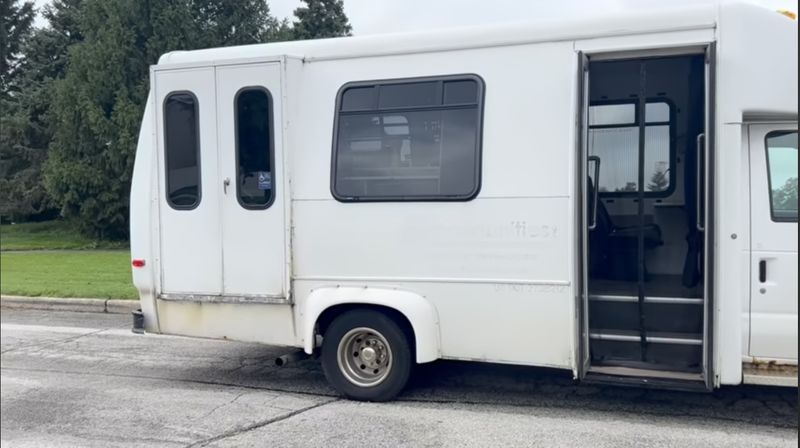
column 270, row 118
column 673, row 156
column 441, row 79
column 775, row 133
column 198, row 150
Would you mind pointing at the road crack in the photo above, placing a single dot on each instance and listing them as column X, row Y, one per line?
column 175, row 379
column 227, row 403
column 49, row 343
column 257, row 425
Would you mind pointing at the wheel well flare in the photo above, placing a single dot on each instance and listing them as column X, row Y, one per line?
column 415, row 314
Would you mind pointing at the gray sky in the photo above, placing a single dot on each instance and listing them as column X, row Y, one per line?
column 385, row 16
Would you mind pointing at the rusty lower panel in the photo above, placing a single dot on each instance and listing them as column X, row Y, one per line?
column 247, row 322
column 769, row 373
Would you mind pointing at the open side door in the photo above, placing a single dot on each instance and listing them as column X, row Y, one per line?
column 707, row 218
column 582, row 221
column 650, row 328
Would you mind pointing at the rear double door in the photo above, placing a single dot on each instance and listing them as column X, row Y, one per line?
column 221, row 196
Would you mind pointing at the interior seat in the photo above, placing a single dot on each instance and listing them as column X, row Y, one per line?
column 613, row 249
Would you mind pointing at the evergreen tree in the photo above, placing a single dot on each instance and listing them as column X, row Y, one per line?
column 74, row 92
column 319, row 19
column 99, row 104
column 29, row 131
column 659, row 181
column 16, row 20
column 282, row 31
column 784, row 198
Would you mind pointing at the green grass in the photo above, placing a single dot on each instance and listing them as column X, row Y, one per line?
column 90, row 273
column 49, row 235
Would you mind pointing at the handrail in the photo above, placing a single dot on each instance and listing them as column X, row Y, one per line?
column 596, row 179
column 700, row 180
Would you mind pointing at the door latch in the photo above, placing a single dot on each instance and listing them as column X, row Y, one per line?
column 225, row 184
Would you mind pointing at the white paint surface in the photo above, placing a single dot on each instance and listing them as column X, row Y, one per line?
column 191, row 250
column 253, row 243
column 498, row 270
column 773, row 303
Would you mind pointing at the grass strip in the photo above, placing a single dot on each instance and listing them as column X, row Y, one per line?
column 50, row 235
column 90, row 273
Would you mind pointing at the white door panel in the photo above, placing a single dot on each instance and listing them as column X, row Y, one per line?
column 773, row 259
column 250, row 149
column 191, row 260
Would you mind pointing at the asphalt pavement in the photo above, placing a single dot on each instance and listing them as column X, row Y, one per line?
column 83, row 379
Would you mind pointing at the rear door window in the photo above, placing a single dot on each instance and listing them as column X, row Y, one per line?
column 255, row 180
column 182, row 150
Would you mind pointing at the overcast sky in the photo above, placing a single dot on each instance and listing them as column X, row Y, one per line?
column 386, row 16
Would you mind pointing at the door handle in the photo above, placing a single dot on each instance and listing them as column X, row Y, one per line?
column 225, row 184
column 762, row 271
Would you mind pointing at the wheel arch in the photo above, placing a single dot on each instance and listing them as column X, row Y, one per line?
column 419, row 315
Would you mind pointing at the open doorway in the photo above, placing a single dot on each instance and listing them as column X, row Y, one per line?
column 645, row 202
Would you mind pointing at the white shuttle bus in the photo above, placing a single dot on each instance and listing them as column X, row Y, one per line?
column 615, row 197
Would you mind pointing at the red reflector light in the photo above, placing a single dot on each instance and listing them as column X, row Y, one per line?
column 138, row 263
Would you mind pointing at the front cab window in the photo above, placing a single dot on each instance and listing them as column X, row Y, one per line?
column 782, row 166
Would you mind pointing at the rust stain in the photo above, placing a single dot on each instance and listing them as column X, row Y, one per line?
column 770, row 366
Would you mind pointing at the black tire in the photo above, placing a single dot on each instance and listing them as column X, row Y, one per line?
column 399, row 350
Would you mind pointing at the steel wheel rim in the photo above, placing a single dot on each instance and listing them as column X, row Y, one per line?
column 364, row 357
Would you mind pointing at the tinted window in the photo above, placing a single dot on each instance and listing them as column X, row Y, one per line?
column 614, row 137
column 181, row 146
column 458, row 92
column 255, row 183
column 782, row 159
column 409, row 95
column 426, row 150
column 358, row 99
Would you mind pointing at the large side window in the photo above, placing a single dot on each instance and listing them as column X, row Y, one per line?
column 182, row 150
column 408, row 140
column 782, row 166
column 614, row 137
column 255, row 180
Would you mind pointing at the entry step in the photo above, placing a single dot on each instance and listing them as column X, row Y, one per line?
column 646, row 373
column 648, row 378
column 650, row 337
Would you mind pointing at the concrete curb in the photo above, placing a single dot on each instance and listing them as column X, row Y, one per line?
column 112, row 306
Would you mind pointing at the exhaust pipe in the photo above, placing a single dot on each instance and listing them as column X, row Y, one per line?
column 298, row 355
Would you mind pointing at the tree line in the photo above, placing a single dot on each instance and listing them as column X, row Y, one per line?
column 72, row 93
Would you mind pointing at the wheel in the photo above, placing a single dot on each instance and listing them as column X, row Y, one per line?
column 366, row 356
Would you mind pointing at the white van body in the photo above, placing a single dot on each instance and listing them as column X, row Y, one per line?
column 500, row 276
